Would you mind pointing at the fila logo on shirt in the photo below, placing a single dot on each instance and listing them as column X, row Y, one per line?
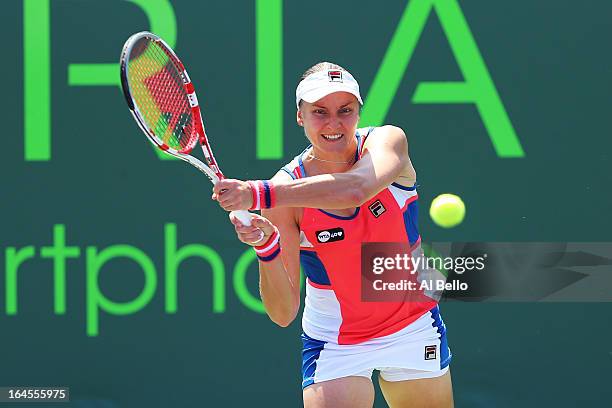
column 377, row 209
column 330, row 235
column 430, row 352
column 335, row 76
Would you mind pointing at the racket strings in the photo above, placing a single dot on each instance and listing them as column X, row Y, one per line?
column 157, row 89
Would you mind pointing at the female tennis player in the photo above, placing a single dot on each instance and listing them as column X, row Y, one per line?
column 350, row 186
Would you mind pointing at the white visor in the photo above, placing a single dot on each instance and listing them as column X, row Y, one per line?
column 322, row 83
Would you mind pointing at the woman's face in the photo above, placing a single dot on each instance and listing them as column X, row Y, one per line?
column 330, row 123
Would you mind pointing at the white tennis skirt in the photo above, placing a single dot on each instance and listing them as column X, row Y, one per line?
column 419, row 350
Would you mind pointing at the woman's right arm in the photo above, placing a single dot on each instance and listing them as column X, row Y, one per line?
column 279, row 279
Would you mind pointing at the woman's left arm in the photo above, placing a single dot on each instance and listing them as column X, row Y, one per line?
column 384, row 159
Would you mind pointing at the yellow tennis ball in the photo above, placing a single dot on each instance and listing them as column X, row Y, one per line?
column 447, row 210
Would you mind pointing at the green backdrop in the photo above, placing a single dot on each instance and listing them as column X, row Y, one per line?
column 504, row 103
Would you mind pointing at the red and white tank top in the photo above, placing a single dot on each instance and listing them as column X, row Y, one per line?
column 330, row 255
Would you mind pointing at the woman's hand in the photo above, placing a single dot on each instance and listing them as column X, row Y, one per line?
column 251, row 235
column 233, row 194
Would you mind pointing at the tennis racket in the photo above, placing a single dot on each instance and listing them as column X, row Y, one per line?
column 162, row 99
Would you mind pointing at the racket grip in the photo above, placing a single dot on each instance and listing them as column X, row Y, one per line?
column 243, row 216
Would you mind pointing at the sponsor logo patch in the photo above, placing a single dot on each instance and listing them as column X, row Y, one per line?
column 335, row 76
column 330, row 235
column 377, row 208
column 431, row 352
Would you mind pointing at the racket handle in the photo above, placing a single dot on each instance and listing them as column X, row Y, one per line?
column 245, row 219
column 243, row 216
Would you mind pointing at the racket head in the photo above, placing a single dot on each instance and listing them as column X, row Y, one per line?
column 159, row 94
